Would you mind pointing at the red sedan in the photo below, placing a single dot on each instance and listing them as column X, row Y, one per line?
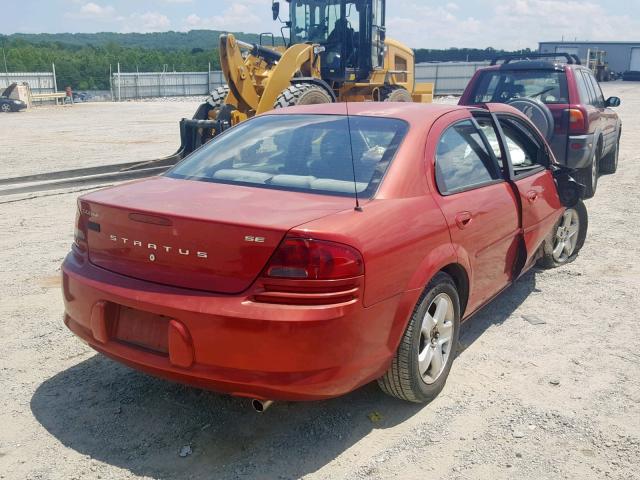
column 307, row 252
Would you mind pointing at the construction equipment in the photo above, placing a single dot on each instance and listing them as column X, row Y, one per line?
column 337, row 51
column 597, row 63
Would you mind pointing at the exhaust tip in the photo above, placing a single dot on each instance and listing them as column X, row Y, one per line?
column 261, row 406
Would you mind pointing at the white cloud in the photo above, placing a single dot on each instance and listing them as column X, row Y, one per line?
column 146, row 22
column 236, row 17
column 94, row 11
column 506, row 24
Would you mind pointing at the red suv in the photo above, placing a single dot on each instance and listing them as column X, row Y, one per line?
column 565, row 102
column 311, row 250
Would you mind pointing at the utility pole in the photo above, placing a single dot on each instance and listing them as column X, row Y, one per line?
column 55, row 78
column 119, row 84
column 4, row 56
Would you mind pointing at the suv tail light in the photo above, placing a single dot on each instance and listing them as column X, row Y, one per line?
column 308, row 259
column 577, row 121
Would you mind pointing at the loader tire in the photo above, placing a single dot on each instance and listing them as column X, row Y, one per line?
column 395, row 94
column 302, row 94
column 214, row 102
column 218, row 96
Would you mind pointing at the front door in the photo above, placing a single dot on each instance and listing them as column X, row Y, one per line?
column 528, row 169
column 480, row 208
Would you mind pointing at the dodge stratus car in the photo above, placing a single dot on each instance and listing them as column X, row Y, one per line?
column 309, row 251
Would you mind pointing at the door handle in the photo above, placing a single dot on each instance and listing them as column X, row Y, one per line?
column 532, row 196
column 463, row 219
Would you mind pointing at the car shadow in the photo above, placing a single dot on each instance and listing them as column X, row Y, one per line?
column 124, row 418
column 115, row 415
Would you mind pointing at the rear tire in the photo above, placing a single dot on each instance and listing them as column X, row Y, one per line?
column 589, row 176
column 302, row 94
column 423, row 360
column 566, row 239
column 609, row 163
column 395, row 94
column 6, row 108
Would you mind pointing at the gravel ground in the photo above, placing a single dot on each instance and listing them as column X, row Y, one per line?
column 548, row 401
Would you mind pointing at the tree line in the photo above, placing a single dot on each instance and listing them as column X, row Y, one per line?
column 84, row 61
column 88, row 67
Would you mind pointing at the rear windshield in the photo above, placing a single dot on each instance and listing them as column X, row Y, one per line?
column 500, row 86
column 309, row 153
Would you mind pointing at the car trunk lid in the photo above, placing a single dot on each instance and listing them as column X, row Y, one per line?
column 195, row 235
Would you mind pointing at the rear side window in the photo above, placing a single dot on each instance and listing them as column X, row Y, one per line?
column 463, row 161
column 500, row 86
column 583, row 89
column 599, row 97
column 308, row 153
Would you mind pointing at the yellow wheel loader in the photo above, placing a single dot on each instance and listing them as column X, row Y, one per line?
column 337, row 51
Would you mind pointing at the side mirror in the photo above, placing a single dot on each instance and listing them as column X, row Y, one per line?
column 275, row 8
column 613, row 102
column 570, row 192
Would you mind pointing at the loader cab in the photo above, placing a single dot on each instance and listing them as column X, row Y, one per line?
column 352, row 33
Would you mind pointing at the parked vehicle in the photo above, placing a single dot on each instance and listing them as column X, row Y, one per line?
column 565, row 101
column 79, row 97
column 307, row 252
column 631, row 76
column 8, row 104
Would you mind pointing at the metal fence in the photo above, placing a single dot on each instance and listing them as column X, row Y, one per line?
column 40, row 82
column 450, row 78
column 127, row 86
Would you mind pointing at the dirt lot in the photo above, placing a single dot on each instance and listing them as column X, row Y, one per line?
column 550, row 401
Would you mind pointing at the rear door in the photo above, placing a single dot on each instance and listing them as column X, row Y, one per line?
column 526, row 162
column 480, row 208
column 595, row 105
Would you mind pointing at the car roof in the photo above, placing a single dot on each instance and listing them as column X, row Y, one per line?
column 424, row 113
column 530, row 65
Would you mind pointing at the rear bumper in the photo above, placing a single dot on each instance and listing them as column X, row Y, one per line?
column 580, row 151
column 233, row 345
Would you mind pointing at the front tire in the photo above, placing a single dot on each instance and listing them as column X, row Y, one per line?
column 567, row 239
column 5, row 108
column 214, row 102
column 423, row 360
column 302, row 94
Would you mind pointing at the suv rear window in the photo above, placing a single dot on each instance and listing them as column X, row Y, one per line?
column 308, row 153
column 500, row 86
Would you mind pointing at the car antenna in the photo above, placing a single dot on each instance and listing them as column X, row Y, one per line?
column 353, row 160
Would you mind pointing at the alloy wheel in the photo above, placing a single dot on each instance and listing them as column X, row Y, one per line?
column 594, row 170
column 566, row 237
column 436, row 338
column 5, row 107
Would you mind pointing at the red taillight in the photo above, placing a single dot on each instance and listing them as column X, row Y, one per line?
column 307, row 259
column 80, row 232
column 577, row 121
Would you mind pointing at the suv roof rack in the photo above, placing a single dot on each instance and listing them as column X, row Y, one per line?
column 572, row 59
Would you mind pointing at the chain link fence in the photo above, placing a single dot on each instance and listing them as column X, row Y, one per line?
column 39, row 82
column 448, row 78
column 139, row 85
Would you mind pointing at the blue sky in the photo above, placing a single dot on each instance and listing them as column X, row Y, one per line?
column 419, row 23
